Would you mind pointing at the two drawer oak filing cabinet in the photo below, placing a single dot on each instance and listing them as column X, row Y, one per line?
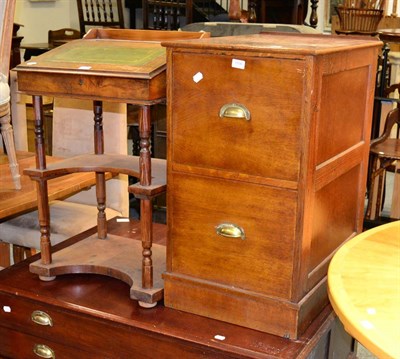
column 267, row 160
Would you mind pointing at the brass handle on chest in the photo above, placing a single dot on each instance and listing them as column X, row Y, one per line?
column 230, row 230
column 41, row 318
column 234, row 110
column 44, row 351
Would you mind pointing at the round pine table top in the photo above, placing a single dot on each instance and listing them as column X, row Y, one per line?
column 364, row 288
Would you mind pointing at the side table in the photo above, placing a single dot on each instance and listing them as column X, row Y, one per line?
column 113, row 65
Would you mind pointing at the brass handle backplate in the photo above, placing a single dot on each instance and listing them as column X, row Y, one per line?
column 230, row 230
column 41, row 318
column 44, row 351
column 235, row 110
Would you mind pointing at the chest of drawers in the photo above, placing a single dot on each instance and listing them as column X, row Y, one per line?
column 91, row 316
column 268, row 141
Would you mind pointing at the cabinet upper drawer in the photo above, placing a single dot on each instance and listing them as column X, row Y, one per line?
column 267, row 143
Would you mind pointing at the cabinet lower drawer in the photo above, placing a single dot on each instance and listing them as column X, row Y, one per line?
column 261, row 260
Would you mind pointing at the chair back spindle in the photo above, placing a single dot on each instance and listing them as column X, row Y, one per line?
column 100, row 13
column 391, row 8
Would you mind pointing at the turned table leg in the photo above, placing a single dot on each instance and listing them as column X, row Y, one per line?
column 41, row 184
column 146, row 207
column 314, row 15
column 44, row 221
column 100, row 176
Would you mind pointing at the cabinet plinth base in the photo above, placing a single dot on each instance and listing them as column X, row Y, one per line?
column 116, row 257
column 243, row 307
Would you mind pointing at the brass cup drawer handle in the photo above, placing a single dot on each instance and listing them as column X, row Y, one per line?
column 234, row 110
column 41, row 318
column 44, row 351
column 230, row 230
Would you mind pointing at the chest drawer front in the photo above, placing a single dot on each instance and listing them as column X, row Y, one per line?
column 261, row 262
column 71, row 329
column 14, row 344
column 267, row 145
column 75, row 335
column 57, row 325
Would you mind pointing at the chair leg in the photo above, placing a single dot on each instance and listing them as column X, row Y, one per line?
column 20, row 253
column 395, row 208
column 374, row 173
column 8, row 136
column 353, row 353
column 4, row 255
column 378, row 207
column 352, row 356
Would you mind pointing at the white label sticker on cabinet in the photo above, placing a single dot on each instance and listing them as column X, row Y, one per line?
column 219, row 337
column 122, row 219
column 238, row 64
column 7, row 309
column 198, row 77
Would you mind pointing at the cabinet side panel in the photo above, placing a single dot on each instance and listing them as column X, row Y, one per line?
column 341, row 123
column 335, row 214
column 342, row 136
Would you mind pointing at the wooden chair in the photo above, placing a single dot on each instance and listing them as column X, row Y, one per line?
column 58, row 37
column 105, row 13
column 385, row 151
column 167, row 15
column 7, row 8
column 174, row 14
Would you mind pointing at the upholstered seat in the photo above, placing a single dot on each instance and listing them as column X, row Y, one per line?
column 67, row 220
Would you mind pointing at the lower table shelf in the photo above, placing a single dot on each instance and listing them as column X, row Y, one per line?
column 112, row 163
column 114, row 256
